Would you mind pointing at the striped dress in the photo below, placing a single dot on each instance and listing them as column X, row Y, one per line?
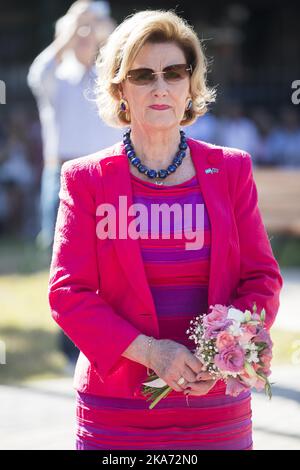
column 178, row 279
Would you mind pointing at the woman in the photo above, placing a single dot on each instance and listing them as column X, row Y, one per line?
column 112, row 291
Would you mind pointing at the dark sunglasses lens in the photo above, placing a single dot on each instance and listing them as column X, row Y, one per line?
column 176, row 72
column 141, row 76
column 173, row 73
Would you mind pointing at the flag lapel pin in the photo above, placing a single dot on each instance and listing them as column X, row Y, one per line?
column 211, row 170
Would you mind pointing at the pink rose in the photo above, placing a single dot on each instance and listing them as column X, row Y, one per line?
column 246, row 336
column 259, row 384
column 254, row 382
column 250, row 329
column 235, row 387
column 225, row 340
column 216, row 321
column 249, row 332
column 267, row 371
column 221, row 309
column 263, row 336
column 231, row 359
column 265, row 359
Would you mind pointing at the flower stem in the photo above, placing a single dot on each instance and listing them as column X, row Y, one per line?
column 162, row 395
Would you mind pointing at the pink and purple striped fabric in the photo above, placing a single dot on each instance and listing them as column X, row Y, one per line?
column 178, row 279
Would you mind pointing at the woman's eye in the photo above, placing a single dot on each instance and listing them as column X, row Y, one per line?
column 172, row 75
column 144, row 75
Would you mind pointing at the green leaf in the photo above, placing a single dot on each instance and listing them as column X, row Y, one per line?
column 250, row 369
column 261, row 346
column 262, row 375
column 247, row 317
column 263, row 315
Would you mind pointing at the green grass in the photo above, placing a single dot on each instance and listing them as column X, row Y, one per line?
column 286, row 249
column 28, row 330
column 26, row 326
column 19, row 257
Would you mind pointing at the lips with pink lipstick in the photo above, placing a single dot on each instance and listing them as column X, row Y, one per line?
column 159, row 107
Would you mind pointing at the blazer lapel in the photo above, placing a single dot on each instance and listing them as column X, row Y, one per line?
column 117, row 182
column 211, row 171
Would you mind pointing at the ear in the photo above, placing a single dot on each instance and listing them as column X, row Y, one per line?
column 120, row 90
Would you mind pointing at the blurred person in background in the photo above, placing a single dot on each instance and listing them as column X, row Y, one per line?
column 236, row 130
column 204, row 129
column 265, row 123
column 18, row 177
column 61, row 78
column 283, row 144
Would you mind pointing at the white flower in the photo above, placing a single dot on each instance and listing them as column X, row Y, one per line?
column 235, row 329
column 235, row 314
column 248, row 346
column 245, row 346
column 252, row 357
column 156, row 383
column 227, row 373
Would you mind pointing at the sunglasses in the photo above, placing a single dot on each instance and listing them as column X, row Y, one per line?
column 172, row 73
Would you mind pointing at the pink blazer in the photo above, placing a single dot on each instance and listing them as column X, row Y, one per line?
column 98, row 290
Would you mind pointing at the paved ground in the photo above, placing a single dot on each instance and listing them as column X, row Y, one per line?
column 42, row 415
column 39, row 416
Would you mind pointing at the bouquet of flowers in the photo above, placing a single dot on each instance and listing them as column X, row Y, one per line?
column 232, row 345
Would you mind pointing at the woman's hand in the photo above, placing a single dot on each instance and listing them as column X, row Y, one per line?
column 171, row 360
column 200, row 387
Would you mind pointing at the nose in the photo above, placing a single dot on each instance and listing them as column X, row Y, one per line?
column 160, row 87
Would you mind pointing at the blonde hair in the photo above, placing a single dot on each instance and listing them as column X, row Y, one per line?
column 115, row 58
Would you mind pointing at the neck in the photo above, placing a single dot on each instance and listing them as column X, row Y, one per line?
column 155, row 149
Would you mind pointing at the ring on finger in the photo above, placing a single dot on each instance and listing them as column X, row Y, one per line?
column 181, row 381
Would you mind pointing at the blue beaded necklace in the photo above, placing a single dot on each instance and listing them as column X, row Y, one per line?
column 161, row 174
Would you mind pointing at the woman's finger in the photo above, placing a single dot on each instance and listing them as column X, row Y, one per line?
column 188, row 375
column 203, row 376
column 199, row 388
column 176, row 387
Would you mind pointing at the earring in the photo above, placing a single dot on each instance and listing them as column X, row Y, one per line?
column 123, row 105
column 189, row 105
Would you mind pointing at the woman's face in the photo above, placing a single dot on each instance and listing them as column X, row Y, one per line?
column 159, row 92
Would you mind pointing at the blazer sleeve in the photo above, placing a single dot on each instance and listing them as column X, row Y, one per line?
column 76, row 305
column 260, row 278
